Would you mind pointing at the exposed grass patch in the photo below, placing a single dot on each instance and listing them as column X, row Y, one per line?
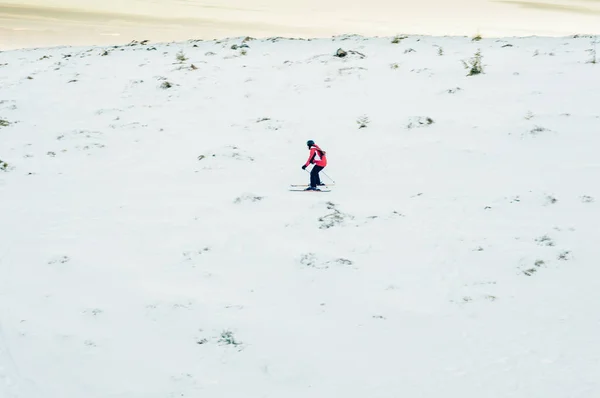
column 474, row 65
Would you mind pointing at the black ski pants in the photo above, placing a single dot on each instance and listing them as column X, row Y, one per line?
column 315, row 180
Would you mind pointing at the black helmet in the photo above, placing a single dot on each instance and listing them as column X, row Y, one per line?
column 310, row 143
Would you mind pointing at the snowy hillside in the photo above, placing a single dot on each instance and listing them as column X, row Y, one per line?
column 150, row 247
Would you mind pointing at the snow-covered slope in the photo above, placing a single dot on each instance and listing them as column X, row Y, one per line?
column 150, row 247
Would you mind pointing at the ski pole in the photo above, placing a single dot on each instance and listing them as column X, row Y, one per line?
column 325, row 174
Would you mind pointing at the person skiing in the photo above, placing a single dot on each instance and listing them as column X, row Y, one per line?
column 318, row 157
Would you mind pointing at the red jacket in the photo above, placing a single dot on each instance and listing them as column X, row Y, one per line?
column 316, row 156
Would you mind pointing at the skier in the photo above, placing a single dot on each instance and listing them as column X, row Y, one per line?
column 319, row 158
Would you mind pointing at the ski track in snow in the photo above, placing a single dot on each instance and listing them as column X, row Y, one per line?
column 151, row 247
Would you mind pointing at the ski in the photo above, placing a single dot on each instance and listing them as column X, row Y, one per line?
column 304, row 190
column 306, row 185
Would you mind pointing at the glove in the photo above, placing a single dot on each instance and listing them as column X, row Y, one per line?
column 303, row 167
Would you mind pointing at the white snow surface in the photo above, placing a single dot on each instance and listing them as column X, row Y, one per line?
column 150, row 247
